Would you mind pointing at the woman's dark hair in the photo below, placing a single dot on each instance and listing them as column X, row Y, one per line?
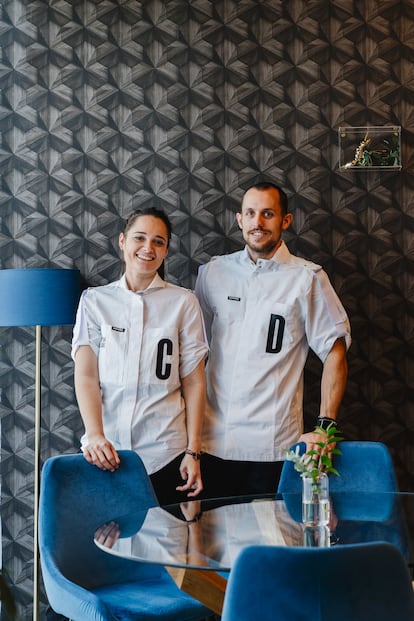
column 155, row 213
column 149, row 211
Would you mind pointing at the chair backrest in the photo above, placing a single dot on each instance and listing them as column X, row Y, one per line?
column 75, row 499
column 360, row 582
column 362, row 466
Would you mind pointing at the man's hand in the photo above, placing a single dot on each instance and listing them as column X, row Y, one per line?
column 312, row 438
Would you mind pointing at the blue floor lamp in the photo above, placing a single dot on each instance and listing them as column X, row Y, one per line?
column 38, row 297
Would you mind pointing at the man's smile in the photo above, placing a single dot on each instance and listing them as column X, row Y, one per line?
column 259, row 233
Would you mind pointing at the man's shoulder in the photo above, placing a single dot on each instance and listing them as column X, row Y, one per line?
column 286, row 260
column 223, row 260
column 299, row 262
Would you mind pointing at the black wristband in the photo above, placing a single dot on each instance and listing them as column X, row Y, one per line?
column 193, row 454
column 324, row 421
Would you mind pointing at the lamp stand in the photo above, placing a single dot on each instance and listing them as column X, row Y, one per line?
column 38, row 395
column 38, row 297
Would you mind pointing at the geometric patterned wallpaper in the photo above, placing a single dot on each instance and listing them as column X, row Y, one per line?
column 107, row 105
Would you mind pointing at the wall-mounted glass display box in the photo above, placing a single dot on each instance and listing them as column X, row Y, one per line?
column 370, row 148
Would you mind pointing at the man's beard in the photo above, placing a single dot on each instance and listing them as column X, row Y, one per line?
column 263, row 249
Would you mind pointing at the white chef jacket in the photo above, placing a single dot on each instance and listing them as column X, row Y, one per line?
column 145, row 342
column 261, row 318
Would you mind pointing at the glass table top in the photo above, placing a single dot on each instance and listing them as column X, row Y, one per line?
column 209, row 534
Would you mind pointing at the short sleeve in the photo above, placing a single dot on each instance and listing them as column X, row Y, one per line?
column 82, row 329
column 326, row 318
column 193, row 342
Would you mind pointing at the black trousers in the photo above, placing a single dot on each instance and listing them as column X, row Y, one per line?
column 221, row 478
column 165, row 481
column 224, row 477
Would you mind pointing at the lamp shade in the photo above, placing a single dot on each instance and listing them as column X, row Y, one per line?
column 38, row 297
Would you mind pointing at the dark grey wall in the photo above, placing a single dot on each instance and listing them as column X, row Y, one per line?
column 109, row 105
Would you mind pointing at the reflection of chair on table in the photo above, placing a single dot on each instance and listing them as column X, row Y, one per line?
column 362, row 466
column 361, row 582
column 83, row 582
column 366, row 474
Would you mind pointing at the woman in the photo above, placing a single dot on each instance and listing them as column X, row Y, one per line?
column 139, row 353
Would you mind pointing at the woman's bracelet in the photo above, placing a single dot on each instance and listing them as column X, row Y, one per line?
column 324, row 421
column 193, row 454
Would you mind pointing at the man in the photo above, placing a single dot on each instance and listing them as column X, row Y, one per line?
column 264, row 308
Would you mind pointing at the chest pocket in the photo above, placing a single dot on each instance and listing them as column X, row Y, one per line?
column 280, row 328
column 161, row 350
column 270, row 330
column 228, row 315
column 113, row 354
column 231, row 309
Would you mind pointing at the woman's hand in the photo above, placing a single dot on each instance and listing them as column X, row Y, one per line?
column 190, row 472
column 108, row 534
column 191, row 510
column 101, row 453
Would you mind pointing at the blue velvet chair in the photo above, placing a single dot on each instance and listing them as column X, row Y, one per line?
column 360, row 582
column 370, row 510
column 82, row 582
column 363, row 467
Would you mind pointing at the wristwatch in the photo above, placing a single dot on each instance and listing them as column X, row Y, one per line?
column 324, row 421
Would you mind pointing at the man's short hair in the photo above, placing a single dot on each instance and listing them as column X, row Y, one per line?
column 268, row 185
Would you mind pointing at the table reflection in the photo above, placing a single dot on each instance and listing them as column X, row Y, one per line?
column 167, row 536
column 210, row 534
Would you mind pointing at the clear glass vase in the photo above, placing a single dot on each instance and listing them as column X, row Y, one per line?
column 315, row 500
column 316, row 536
